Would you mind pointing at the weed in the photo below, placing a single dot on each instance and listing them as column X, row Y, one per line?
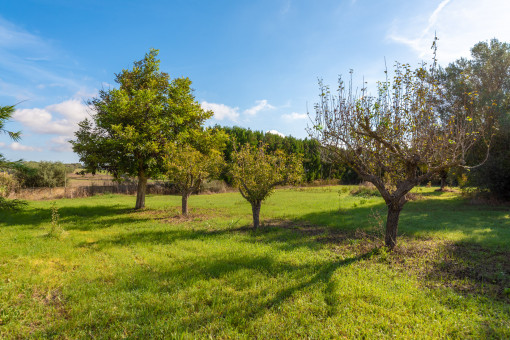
column 56, row 230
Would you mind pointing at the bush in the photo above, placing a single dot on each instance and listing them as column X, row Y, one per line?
column 42, row 174
column 7, row 184
column 366, row 190
column 214, row 186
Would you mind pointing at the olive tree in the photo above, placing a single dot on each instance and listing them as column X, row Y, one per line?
column 256, row 173
column 189, row 163
column 398, row 138
column 131, row 125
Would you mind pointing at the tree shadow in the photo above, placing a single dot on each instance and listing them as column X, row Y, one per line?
column 472, row 269
column 254, row 304
column 483, row 225
column 84, row 218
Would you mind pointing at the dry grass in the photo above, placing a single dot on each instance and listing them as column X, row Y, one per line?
column 39, row 194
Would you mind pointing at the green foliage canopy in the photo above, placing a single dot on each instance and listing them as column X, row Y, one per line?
column 257, row 172
column 192, row 160
column 131, row 125
column 6, row 114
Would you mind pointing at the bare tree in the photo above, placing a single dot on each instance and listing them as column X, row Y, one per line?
column 398, row 138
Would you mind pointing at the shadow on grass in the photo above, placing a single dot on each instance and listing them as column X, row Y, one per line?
column 74, row 218
column 483, row 225
column 254, row 303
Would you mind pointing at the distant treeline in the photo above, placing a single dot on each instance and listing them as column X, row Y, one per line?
column 315, row 166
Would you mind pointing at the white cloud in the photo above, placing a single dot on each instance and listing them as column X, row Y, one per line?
column 275, row 132
column 459, row 25
column 294, row 116
column 222, row 111
column 61, row 144
column 15, row 146
column 262, row 105
column 61, row 119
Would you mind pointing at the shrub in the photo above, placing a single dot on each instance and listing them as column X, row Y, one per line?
column 42, row 174
column 7, row 184
column 365, row 190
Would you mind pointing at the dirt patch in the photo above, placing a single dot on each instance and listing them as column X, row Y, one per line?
column 52, row 298
column 174, row 215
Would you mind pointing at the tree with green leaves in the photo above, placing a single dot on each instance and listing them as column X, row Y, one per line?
column 6, row 114
column 486, row 73
column 257, row 172
column 190, row 162
column 131, row 125
column 398, row 138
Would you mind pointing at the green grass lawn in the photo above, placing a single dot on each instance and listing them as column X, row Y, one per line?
column 314, row 270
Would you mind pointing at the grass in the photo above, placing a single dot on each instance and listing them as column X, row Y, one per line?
column 316, row 269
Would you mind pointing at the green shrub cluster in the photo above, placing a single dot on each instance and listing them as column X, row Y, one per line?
column 42, row 174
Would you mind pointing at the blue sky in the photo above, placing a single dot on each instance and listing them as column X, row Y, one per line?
column 254, row 63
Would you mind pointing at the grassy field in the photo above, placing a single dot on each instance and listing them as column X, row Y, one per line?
column 314, row 270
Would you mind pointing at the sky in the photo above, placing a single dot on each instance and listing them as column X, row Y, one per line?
column 256, row 64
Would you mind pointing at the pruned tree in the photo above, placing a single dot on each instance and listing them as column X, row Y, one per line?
column 189, row 163
column 256, row 173
column 398, row 138
column 131, row 125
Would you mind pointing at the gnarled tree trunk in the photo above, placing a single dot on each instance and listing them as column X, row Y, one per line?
column 392, row 225
column 255, row 209
column 140, row 192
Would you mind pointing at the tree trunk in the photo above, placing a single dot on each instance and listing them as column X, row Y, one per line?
column 443, row 182
column 443, row 178
column 140, row 192
column 185, row 196
column 392, row 225
column 255, row 209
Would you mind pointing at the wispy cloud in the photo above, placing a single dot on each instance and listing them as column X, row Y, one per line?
column 458, row 24
column 294, row 116
column 222, row 111
column 29, row 64
column 261, row 105
column 15, row 146
column 60, row 144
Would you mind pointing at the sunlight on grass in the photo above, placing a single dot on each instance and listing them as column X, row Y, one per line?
column 153, row 273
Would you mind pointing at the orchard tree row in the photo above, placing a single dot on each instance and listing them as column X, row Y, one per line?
column 152, row 126
column 422, row 123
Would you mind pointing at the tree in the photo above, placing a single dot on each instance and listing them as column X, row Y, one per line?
column 256, row 173
column 131, row 125
column 6, row 114
column 315, row 166
column 487, row 73
column 189, row 163
column 398, row 138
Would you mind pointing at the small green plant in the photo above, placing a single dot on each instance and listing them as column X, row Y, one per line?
column 365, row 190
column 55, row 229
column 343, row 190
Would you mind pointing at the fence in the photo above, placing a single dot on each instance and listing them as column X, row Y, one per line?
column 86, row 191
